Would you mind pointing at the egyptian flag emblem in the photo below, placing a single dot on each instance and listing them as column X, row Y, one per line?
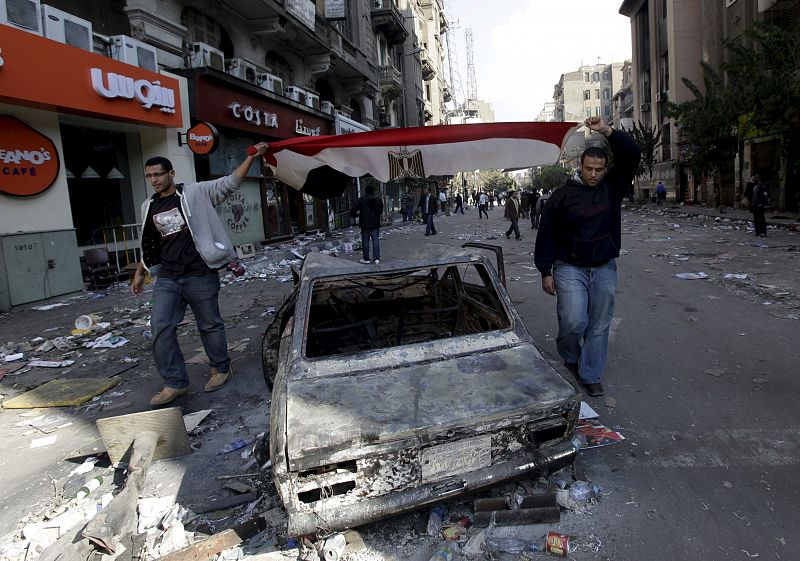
column 405, row 164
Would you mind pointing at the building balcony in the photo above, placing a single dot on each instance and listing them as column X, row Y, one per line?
column 428, row 69
column 428, row 109
column 387, row 18
column 391, row 81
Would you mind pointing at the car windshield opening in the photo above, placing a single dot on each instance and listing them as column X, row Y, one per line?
column 378, row 311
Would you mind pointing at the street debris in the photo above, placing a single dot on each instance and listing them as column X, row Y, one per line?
column 691, row 276
column 61, row 393
column 590, row 433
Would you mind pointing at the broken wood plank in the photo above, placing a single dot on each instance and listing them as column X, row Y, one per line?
column 61, row 393
column 228, row 502
column 119, row 432
column 200, row 551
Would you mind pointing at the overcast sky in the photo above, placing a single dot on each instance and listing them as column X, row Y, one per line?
column 522, row 47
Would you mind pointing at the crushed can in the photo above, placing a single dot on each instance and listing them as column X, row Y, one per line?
column 557, row 544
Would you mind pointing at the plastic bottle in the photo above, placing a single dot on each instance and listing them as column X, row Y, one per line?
column 89, row 486
column 510, row 545
column 442, row 553
column 435, row 520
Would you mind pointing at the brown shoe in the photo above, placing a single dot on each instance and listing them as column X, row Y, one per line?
column 166, row 395
column 217, row 379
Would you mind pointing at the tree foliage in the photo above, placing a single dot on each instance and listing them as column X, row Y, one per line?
column 494, row 180
column 551, row 177
column 649, row 140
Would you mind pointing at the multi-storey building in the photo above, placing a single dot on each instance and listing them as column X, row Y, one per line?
column 548, row 112
column 670, row 39
column 622, row 100
column 255, row 71
column 433, row 26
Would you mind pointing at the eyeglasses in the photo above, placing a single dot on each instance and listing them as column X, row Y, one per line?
column 155, row 175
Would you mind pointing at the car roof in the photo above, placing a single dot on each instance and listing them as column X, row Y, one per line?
column 319, row 265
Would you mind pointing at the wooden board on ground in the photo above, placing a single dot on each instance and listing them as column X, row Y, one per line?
column 217, row 543
column 118, row 433
column 61, row 393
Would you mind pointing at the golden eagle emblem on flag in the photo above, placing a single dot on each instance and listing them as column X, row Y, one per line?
column 404, row 164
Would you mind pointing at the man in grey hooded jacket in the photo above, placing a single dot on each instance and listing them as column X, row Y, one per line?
column 184, row 244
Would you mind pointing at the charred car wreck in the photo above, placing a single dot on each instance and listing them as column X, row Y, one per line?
column 400, row 385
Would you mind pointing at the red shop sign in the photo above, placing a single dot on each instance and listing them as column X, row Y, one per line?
column 29, row 161
column 202, row 138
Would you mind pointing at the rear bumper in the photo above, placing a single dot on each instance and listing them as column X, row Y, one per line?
column 328, row 518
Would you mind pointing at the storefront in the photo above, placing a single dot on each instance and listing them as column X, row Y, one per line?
column 264, row 208
column 77, row 128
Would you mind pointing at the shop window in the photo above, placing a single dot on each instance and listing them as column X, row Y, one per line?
column 99, row 183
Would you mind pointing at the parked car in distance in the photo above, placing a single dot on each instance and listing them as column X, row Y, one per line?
column 399, row 385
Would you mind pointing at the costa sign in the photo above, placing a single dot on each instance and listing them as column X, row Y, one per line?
column 202, row 138
column 29, row 161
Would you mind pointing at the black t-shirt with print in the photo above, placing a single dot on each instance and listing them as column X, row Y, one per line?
column 179, row 256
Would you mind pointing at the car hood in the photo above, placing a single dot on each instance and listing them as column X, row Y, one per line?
column 418, row 401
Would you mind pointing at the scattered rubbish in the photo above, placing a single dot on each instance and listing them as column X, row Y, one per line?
column 691, row 276
column 716, row 372
column 444, row 552
column 91, row 485
column 51, row 363
column 611, row 402
column 334, row 547
column 107, row 341
column 50, row 306
column 452, row 532
column 119, row 432
column 590, row 433
column 226, row 503
column 239, row 487
column 435, row 520
column 235, row 445
column 531, row 509
column 47, row 424
column 152, row 510
column 583, row 491
column 13, row 357
column 587, row 412
column 511, row 545
column 46, row 441
column 61, row 393
column 107, row 407
column 735, row 276
column 87, row 322
column 558, row 544
column 85, row 467
column 193, row 420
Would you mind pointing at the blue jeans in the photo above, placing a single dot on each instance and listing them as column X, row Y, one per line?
column 374, row 235
column 429, row 227
column 585, row 308
column 170, row 298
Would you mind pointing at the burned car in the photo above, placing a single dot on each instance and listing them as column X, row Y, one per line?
column 399, row 385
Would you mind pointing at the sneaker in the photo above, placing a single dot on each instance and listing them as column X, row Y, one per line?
column 377, row 261
column 217, row 379
column 364, row 261
column 167, row 395
column 594, row 390
column 508, row 236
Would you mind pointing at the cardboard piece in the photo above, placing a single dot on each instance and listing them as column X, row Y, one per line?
column 61, row 393
column 119, row 432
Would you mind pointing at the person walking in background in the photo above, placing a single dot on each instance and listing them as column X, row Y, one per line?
column 410, row 206
column 483, row 203
column 512, row 213
column 184, row 243
column 368, row 209
column 540, row 204
column 661, row 193
column 459, row 204
column 404, row 206
column 758, row 206
column 428, row 205
column 442, row 201
column 576, row 249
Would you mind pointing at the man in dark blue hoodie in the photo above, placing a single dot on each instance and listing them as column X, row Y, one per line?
column 369, row 209
column 576, row 249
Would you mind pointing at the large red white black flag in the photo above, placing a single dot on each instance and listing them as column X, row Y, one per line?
column 321, row 165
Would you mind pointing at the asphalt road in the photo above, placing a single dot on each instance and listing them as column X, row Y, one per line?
column 705, row 378
column 704, row 374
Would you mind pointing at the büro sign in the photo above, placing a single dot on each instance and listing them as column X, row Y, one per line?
column 202, row 138
column 29, row 161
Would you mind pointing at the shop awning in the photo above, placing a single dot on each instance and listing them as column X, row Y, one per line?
column 321, row 165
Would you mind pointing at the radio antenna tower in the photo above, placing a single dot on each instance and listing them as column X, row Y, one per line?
column 451, row 62
column 472, row 87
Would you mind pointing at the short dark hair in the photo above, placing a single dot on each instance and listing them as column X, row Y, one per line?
column 595, row 152
column 369, row 190
column 165, row 164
